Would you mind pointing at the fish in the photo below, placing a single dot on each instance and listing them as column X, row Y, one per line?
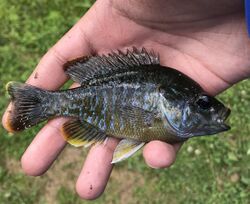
column 128, row 95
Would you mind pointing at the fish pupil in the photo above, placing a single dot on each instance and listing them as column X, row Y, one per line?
column 204, row 102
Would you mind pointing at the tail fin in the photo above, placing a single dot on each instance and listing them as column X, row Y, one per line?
column 28, row 106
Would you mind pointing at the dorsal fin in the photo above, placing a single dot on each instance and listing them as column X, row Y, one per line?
column 88, row 70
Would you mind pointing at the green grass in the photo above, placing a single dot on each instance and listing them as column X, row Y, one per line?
column 207, row 170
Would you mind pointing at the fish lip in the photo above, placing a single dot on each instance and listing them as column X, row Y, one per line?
column 225, row 127
column 225, row 114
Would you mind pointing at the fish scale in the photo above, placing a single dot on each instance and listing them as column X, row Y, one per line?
column 98, row 102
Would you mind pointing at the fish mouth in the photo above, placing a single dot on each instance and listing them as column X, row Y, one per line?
column 223, row 116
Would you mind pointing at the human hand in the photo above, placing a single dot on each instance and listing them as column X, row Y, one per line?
column 206, row 41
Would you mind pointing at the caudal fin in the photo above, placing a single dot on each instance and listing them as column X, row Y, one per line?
column 28, row 106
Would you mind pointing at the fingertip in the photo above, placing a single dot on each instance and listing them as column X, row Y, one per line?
column 88, row 191
column 5, row 119
column 159, row 154
column 96, row 170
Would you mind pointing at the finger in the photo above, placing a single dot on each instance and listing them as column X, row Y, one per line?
column 44, row 149
column 96, row 170
column 159, row 154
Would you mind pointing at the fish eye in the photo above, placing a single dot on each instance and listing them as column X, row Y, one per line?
column 204, row 102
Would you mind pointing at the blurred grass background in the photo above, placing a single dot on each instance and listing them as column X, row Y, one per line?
column 207, row 170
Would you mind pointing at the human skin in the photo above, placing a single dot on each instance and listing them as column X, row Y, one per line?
column 206, row 40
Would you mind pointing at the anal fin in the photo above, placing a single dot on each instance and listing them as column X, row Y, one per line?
column 79, row 133
column 125, row 149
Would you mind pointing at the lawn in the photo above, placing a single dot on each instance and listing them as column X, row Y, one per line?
column 207, row 170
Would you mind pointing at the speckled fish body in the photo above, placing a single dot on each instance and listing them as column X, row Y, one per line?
column 124, row 95
column 128, row 109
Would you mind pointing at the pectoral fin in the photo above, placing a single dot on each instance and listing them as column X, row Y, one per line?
column 79, row 133
column 125, row 149
column 136, row 116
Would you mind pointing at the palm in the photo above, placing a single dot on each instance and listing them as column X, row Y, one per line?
column 211, row 47
column 214, row 49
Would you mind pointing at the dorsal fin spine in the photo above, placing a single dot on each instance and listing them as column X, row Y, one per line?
column 85, row 70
